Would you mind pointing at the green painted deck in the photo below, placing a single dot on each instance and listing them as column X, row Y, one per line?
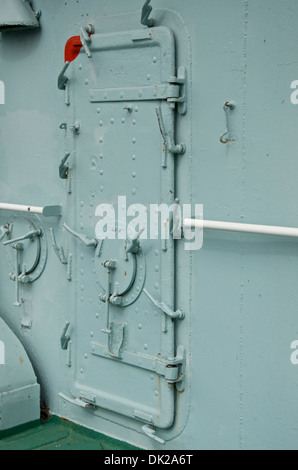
column 58, row 434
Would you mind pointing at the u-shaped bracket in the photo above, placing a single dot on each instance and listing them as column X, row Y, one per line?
column 229, row 105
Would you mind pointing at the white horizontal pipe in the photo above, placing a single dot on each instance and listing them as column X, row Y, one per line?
column 46, row 211
column 244, row 228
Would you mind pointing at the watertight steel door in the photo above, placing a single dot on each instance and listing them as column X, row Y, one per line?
column 122, row 98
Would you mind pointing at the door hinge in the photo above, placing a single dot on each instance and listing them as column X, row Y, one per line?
column 175, row 369
column 174, row 92
column 181, row 82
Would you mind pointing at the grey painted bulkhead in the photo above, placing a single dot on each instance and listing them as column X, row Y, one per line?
column 238, row 292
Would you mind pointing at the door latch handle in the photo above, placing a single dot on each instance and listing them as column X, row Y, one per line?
column 4, row 231
column 64, row 340
column 150, row 432
column 146, row 12
column 63, row 168
column 168, row 137
column 29, row 235
column 86, row 241
column 85, row 38
column 134, row 244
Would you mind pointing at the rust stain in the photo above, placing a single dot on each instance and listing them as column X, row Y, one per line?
column 21, row 360
column 45, row 412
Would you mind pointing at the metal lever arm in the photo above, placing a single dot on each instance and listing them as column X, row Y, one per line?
column 63, row 79
column 85, row 38
column 177, row 149
column 146, row 12
column 82, row 238
column 134, row 244
column 63, row 168
column 4, row 230
column 32, row 234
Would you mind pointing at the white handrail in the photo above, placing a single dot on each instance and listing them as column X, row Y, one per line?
column 46, row 211
column 239, row 227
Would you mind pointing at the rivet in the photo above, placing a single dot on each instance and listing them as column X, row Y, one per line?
column 140, row 326
column 156, row 252
column 136, row 109
column 91, row 334
column 98, row 110
column 148, row 77
column 86, row 81
column 134, row 174
column 156, row 268
column 134, row 191
column 80, row 66
column 82, row 255
column 82, row 226
column 101, row 140
column 156, row 285
column 112, row 120
column 82, row 203
column 101, row 188
column 101, row 172
column 145, row 347
column 156, row 393
column 134, row 122
column 101, row 156
column 82, row 371
column 82, row 272
column 100, row 123
column 123, row 120
column 134, row 140
column 82, row 287
column 82, row 299
column 134, row 157
column 86, row 356
column 154, row 60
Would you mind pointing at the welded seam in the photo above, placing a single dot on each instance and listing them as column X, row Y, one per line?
column 243, row 187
